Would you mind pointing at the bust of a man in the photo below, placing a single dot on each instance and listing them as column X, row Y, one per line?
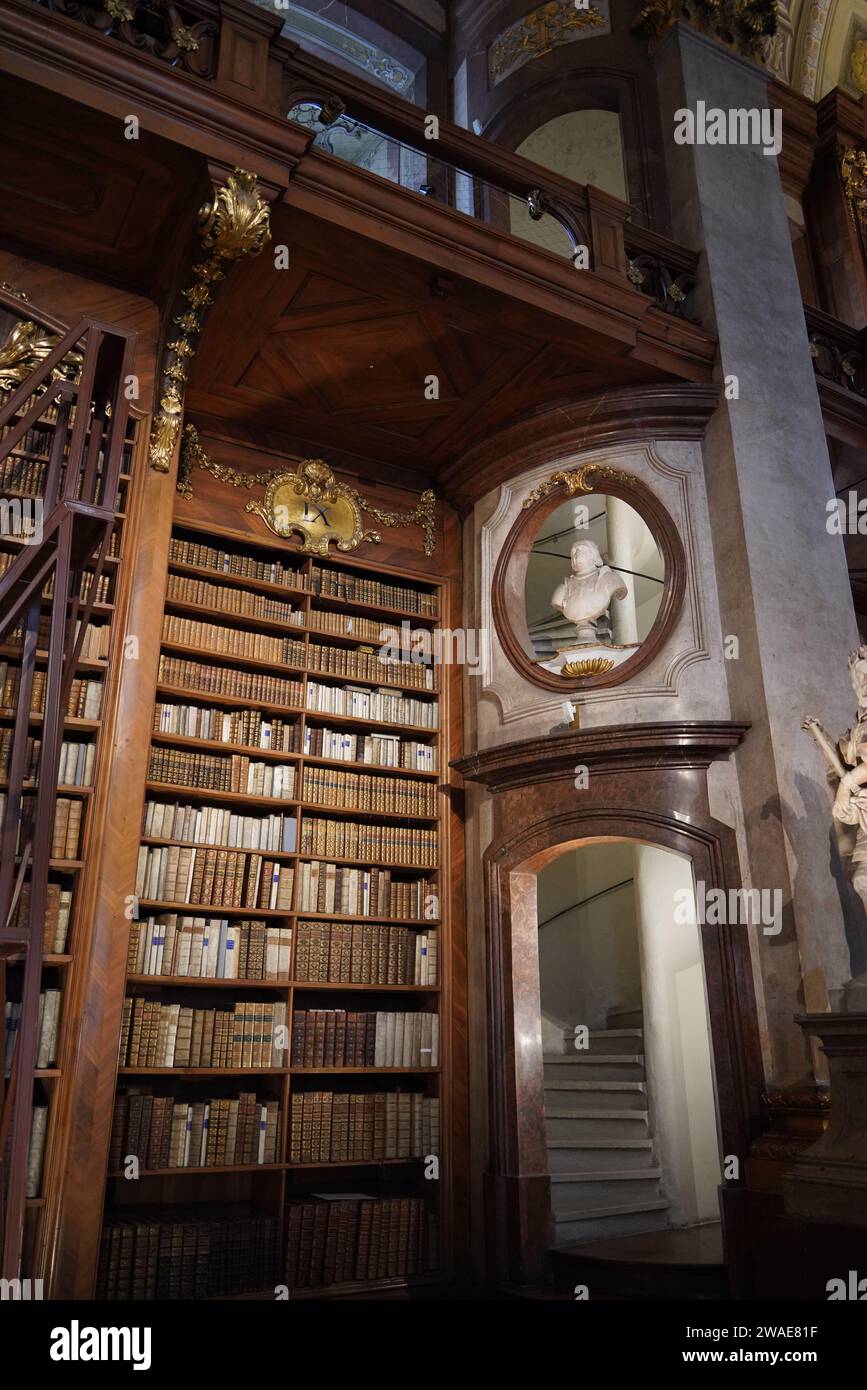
column 588, row 591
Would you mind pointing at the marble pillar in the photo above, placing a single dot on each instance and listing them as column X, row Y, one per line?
column 784, row 590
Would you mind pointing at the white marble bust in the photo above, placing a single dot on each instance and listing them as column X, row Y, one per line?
column 588, row 591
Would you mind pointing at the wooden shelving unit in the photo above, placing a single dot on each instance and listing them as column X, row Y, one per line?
column 23, row 478
column 273, row 1189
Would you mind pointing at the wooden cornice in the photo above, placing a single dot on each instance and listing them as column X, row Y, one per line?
column 799, row 137
column 565, row 429
column 686, row 744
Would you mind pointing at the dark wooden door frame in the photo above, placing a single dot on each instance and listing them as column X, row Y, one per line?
column 646, row 784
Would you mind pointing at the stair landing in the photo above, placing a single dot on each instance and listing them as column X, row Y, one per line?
column 669, row 1264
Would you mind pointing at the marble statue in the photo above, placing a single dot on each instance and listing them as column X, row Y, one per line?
column 588, row 591
column 847, row 761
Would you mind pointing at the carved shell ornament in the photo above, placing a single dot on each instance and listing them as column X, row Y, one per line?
column 236, row 222
column 25, row 347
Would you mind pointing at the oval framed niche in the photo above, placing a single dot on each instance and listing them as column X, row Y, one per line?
column 589, row 581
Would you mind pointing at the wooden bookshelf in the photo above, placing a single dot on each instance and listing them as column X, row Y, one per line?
column 398, row 729
column 71, row 874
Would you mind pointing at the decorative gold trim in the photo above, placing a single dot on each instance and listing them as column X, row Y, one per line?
column 742, row 25
column 423, row 514
column 25, row 346
column 591, row 666
column 13, row 289
column 853, row 171
column 577, row 481
column 235, row 223
column 313, row 479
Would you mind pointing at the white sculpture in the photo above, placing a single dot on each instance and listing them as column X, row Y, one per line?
column 588, row 591
column 847, row 760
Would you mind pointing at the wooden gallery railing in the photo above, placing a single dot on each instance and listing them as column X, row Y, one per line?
column 75, row 390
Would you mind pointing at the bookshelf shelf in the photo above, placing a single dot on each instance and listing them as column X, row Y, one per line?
column 404, row 948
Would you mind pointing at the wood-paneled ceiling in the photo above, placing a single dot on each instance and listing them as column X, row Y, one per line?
column 334, row 354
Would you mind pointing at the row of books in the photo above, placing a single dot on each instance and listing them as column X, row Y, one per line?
column 209, row 557
column 23, row 477
column 248, row 727
column 339, row 1127
column 367, row 665
column 363, row 791
column 46, row 1035
column 66, row 834
column 103, row 588
column 225, row 680
column 364, row 954
column 217, row 825
column 162, row 1132
column 85, row 696
column 357, row 588
column 97, row 640
column 181, row 1255
column 35, row 440
column 174, row 1035
column 348, row 892
column 337, row 1038
column 232, row 641
column 182, row 589
column 75, row 769
column 219, row 877
column 396, row 844
column 381, row 706
column 58, row 909
column 379, row 750
column 209, row 948
column 339, row 1238
column 347, row 624
column 236, row 773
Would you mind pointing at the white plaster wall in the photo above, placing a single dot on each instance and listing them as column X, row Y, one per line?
column 678, row 1063
column 588, row 958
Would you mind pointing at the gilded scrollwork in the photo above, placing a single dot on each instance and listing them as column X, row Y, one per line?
column 312, row 481
column 853, row 171
column 743, row 25
column 24, row 347
column 234, row 223
column 579, row 480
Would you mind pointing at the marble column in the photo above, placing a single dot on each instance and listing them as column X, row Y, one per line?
column 782, row 578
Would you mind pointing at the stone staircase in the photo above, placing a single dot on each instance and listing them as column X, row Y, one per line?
column 604, row 1178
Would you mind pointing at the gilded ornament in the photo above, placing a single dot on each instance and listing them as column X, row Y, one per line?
column 538, row 33
column 308, row 500
column 185, row 39
column 11, row 289
column 237, row 222
column 592, row 666
column 858, row 65
column 579, row 481
column 25, row 347
column 234, row 224
column 853, row 170
column 743, row 25
column 120, row 10
column 165, row 429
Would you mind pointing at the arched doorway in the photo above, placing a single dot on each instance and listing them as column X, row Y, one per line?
column 629, row 1092
column 648, row 785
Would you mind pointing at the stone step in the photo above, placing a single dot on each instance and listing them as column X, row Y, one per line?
column 588, row 1191
column 607, row 1040
column 620, row 1218
column 625, row 1018
column 599, row 1066
column 594, row 1123
column 575, row 1095
column 581, row 1155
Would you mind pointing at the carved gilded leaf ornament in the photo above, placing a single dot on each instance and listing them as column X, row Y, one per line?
column 308, row 501
column 235, row 223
